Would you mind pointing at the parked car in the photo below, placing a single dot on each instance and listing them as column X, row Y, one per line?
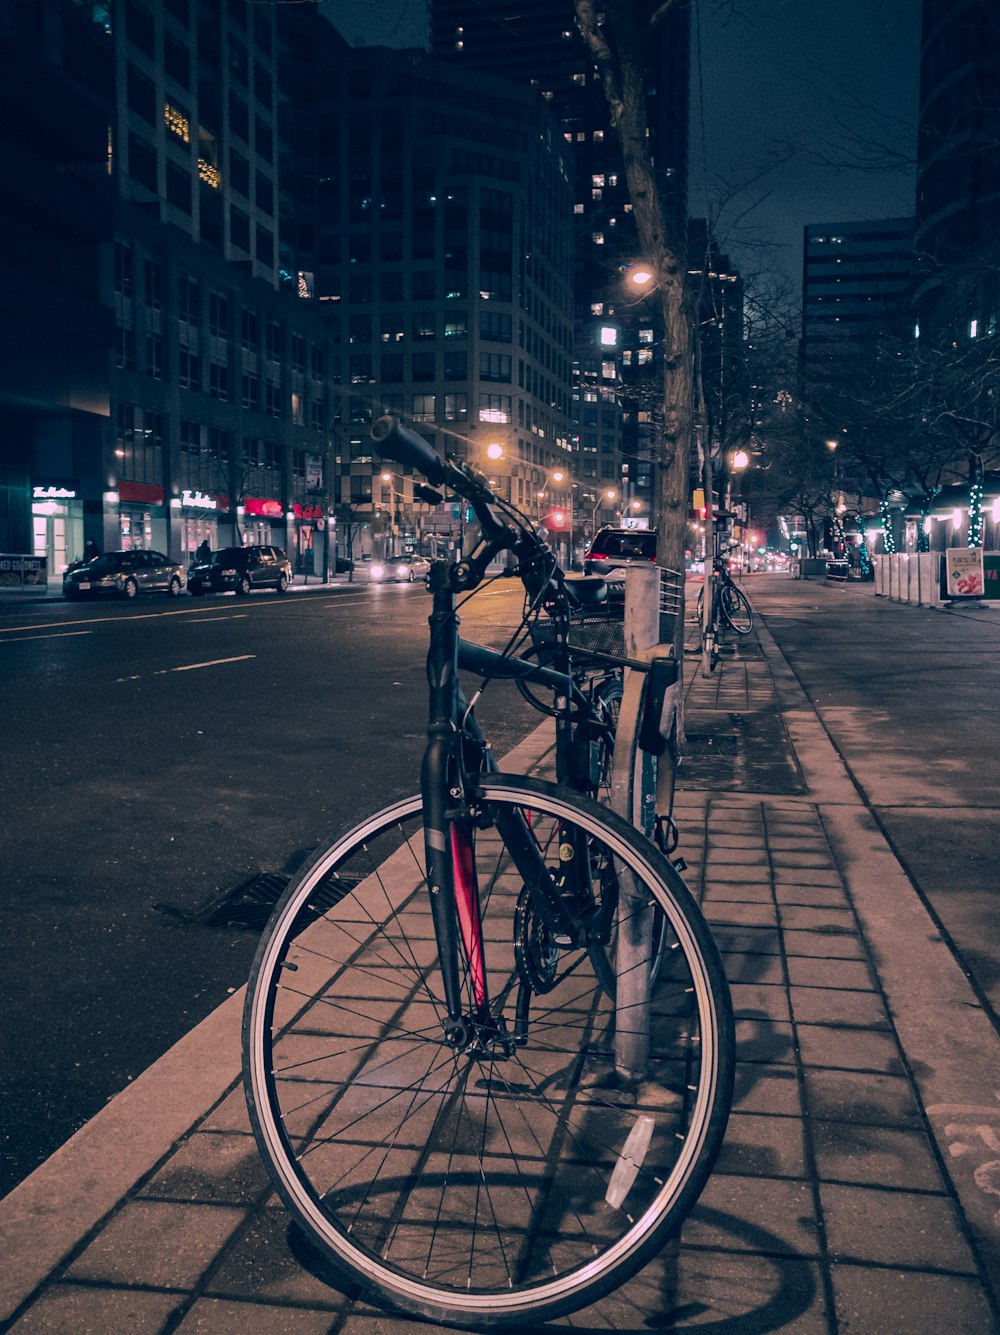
column 407, row 567
column 125, row 574
column 615, row 549
column 241, row 569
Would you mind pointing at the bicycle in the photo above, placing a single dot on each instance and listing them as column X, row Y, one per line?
column 730, row 610
column 464, row 1081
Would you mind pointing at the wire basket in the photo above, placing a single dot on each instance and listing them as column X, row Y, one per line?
column 598, row 633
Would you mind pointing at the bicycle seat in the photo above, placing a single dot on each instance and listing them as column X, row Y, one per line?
column 586, row 590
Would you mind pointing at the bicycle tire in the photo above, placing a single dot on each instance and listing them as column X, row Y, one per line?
column 538, row 695
column 477, row 1188
column 736, row 609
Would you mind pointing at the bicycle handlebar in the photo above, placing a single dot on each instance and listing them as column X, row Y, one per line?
column 399, row 442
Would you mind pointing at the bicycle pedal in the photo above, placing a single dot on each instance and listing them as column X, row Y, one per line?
column 679, row 864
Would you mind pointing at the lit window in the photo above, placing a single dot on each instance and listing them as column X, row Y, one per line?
column 608, row 371
column 578, row 208
column 597, row 238
column 176, row 122
column 209, row 173
column 973, row 328
column 645, row 335
column 597, row 178
column 579, row 78
column 598, row 136
column 597, row 194
column 597, row 308
column 645, row 356
column 609, row 336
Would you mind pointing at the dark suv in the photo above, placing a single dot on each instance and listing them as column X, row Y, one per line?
column 241, row 569
column 618, row 548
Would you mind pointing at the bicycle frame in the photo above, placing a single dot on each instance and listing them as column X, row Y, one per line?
column 449, row 822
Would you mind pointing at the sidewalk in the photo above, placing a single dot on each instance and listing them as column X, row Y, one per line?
column 856, row 1191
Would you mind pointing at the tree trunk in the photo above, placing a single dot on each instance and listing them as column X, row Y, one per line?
column 616, row 41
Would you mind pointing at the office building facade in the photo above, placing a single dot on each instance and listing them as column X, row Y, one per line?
column 444, row 270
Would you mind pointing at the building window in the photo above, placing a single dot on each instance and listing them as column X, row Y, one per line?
column 456, row 407
column 154, row 356
column 178, row 187
column 177, row 121
column 218, row 381
column 125, row 348
column 424, row 325
column 423, row 407
column 456, row 325
column 188, row 367
column 423, row 367
column 456, row 365
column 250, row 391
column 391, row 366
column 218, row 314
column 495, row 325
column 494, row 366
column 494, row 408
column 142, row 162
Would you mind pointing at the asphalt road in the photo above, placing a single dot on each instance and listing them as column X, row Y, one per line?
column 159, row 753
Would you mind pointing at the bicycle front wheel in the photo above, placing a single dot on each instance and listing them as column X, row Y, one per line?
column 736, row 609
column 513, row 1179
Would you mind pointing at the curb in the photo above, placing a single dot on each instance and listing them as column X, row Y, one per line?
column 47, row 1216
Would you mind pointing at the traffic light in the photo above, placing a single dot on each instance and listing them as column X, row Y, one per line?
column 556, row 519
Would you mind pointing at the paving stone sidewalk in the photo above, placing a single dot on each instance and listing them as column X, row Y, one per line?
column 833, row 1208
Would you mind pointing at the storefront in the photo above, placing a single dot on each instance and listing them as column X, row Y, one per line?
column 57, row 518
column 307, row 536
column 196, row 520
column 259, row 514
column 141, row 516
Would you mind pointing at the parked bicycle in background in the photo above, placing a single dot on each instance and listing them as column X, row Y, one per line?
column 729, row 611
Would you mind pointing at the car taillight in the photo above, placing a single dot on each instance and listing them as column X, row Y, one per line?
column 598, row 556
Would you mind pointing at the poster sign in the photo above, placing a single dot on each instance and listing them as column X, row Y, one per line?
column 314, row 472
column 964, row 574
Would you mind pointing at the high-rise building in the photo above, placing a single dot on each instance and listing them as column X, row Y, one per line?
column 444, row 267
column 856, row 285
column 958, row 171
column 154, row 157
column 538, row 43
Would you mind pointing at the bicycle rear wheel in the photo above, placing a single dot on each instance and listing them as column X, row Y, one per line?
column 509, row 1181
column 736, row 609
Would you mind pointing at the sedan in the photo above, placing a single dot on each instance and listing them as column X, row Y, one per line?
column 405, row 568
column 125, row 574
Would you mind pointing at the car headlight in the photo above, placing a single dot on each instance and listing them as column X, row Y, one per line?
column 377, row 572
column 402, row 570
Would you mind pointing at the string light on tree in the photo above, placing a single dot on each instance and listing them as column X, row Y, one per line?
column 885, row 514
column 976, row 514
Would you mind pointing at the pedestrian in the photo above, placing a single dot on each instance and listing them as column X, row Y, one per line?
column 204, row 552
column 90, row 550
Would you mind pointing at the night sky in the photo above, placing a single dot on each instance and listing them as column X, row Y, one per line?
column 814, row 85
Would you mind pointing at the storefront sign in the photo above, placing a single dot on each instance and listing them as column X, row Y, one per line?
column 964, row 573
column 53, row 494
column 253, row 505
column 198, row 500
column 307, row 511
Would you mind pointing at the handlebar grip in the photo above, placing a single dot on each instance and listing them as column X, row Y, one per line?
column 398, row 442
